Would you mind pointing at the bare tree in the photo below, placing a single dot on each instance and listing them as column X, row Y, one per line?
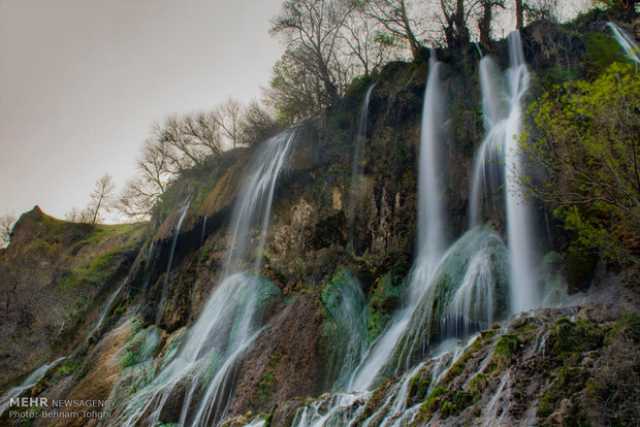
column 227, row 117
column 294, row 92
column 519, row 14
column 456, row 16
column 138, row 198
column 6, row 227
column 312, row 33
column 486, row 19
column 155, row 165
column 82, row 216
column 399, row 19
column 256, row 124
column 366, row 42
column 156, row 169
column 102, row 199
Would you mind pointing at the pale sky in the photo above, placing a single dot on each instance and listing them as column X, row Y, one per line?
column 82, row 81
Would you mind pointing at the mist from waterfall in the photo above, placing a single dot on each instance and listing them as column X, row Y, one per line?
column 203, row 370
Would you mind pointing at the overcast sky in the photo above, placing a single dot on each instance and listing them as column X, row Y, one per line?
column 82, row 81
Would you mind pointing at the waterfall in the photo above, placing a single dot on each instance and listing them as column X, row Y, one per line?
column 431, row 185
column 431, row 229
column 106, row 310
column 356, row 163
column 346, row 326
column 626, row 42
column 499, row 166
column 203, row 370
column 520, row 235
column 176, row 234
column 31, row 381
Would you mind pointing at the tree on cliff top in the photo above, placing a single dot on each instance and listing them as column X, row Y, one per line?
column 6, row 226
column 312, row 32
column 101, row 199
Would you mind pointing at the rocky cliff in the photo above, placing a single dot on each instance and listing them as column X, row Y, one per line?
column 118, row 301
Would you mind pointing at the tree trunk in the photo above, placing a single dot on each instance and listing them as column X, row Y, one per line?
column 484, row 25
column 519, row 15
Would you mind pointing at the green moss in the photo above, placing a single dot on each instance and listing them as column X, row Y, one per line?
column 459, row 401
column 507, row 345
column 478, row 383
column 431, row 404
column 567, row 381
column 141, row 347
column 419, row 386
column 384, row 299
column 628, row 325
column 95, row 272
column 569, row 338
column 67, row 367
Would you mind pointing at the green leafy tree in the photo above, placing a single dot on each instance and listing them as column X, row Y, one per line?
column 589, row 142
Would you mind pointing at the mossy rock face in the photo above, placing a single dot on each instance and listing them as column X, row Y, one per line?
column 385, row 297
column 580, row 267
column 569, row 337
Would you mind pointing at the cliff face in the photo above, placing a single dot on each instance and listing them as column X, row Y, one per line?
column 53, row 275
column 62, row 281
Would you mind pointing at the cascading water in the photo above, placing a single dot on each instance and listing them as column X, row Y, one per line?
column 628, row 44
column 106, row 310
column 451, row 293
column 346, row 308
column 356, row 163
column 31, row 381
column 202, row 372
column 431, row 228
column 520, row 234
column 500, row 160
column 174, row 243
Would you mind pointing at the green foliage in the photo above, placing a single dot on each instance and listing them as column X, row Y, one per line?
column 588, row 142
column 602, row 51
